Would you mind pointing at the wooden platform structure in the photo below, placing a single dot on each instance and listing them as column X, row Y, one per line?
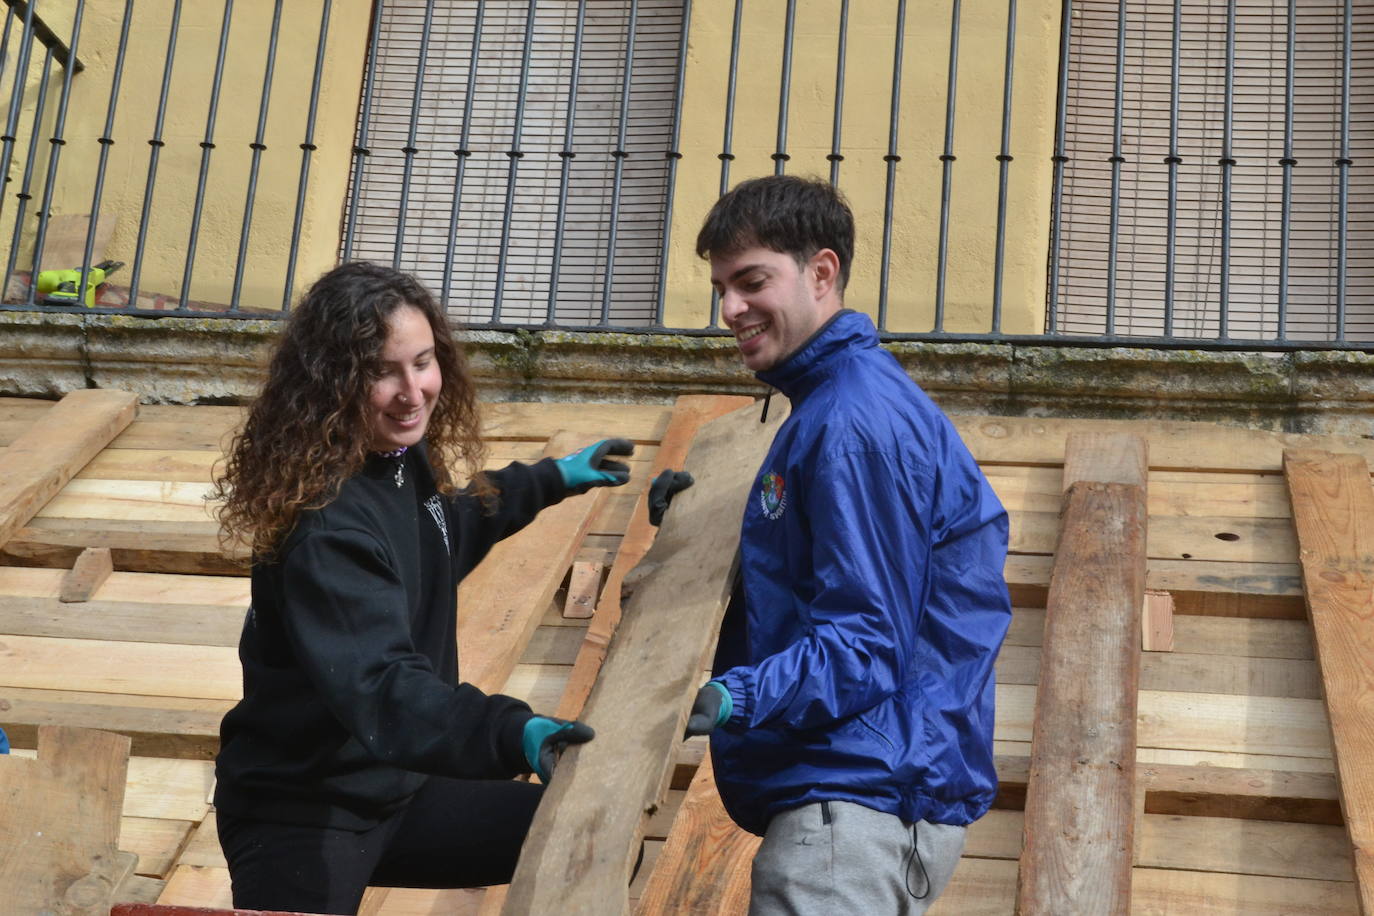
column 1249, row 717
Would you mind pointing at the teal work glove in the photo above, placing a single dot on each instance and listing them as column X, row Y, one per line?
column 4, row 742
column 545, row 738
column 662, row 490
column 590, row 467
column 711, row 710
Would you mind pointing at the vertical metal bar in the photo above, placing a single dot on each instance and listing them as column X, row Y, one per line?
column 1286, row 163
column 58, row 141
column 1173, row 161
column 1227, row 173
column 1116, row 159
column 1343, row 164
column 892, row 158
column 841, row 53
column 947, row 160
column 106, row 141
column 360, row 149
column 462, row 152
column 620, row 154
column 24, row 195
column 21, row 70
column 673, row 155
column 727, row 144
column 515, row 154
column 257, row 147
column 5, row 42
column 567, row 155
column 410, row 149
column 780, row 156
column 1003, row 164
column 206, row 147
column 154, row 154
column 307, row 147
column 1059, row 158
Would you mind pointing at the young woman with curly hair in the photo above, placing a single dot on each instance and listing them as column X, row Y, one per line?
column 356, row 756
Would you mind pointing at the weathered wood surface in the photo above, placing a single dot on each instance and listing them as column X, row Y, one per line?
column 40, row 461
column 1333, row 510
column 501, row 601
column 60, row 830
column 690, row 413
column 1157, row 622
column 582, row 845
column 87, row 574
column 1080, row 797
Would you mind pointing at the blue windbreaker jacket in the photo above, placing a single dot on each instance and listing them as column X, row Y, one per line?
column 858, row 649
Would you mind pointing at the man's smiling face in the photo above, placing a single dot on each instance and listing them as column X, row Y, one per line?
column 771, row 303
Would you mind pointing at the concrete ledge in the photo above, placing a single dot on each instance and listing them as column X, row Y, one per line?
column 182, row 360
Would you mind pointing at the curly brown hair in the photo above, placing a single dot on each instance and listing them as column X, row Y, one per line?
column 309, row 429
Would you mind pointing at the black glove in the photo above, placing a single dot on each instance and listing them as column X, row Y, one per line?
column 589, row 467
column 711, row 709
column 545, row 738
column 663, row 489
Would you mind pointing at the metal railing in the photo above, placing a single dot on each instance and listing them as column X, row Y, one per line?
column 1094, row 193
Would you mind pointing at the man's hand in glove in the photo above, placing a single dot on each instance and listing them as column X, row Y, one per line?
column 545, row 738
column 662, row 490
column 711, row 710
column 590, row 467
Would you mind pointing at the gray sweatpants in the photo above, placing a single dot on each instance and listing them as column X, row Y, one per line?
column 838, row 857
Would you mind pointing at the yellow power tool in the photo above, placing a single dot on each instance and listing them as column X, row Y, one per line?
column 58, row 287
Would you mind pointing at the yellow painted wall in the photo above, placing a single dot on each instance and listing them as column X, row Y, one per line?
column 179, row 167
column 867, row 104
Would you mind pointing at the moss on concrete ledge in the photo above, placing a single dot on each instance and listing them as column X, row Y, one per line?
column 191, row 360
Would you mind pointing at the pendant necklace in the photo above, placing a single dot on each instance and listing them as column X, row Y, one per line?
column 399, row 455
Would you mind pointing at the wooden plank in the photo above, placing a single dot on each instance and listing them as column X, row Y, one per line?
column 1078, row 856
column 500, row 602
column 1238, row 495
column 1333, row 511
column 689, row 414
column 584, row 583
column 59, row 836
column 133, row 587
column 41, row 461
column 987, row 887
column 1231, row 540
column 158, row 726
column 103, row 666
column 644, row 423
column 87, row 574
column 1157, row 622
column 1242, row 637
column 186, row 624
column 156, row 841
column 582, row 845
column 136, row 545
column 704, row 867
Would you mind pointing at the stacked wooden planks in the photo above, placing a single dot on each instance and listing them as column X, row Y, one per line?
column 1238, row 806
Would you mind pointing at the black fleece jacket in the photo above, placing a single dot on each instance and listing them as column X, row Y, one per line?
column 350, row 666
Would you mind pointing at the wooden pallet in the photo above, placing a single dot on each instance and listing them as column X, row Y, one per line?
column 1238, row 802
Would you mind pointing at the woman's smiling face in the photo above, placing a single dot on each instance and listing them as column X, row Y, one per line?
column 408, row 384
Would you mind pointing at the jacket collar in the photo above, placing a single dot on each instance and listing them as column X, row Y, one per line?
column 845, row 333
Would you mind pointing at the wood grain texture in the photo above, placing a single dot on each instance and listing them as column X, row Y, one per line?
column 1080, row 797
column 59, row 835
column 704, row 867
column 1333, row 512
column 584, row 584
column 689, row 414
column 501, row 602
column 582, row 845
column 87, row 574
column 1157, row 622
column 45, row 457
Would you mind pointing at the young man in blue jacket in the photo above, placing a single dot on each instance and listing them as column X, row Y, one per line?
column 851, row 711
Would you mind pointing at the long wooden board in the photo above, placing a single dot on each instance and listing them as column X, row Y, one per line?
column 582, row 845
column 1079, row 827
column 41, row 460
column 1333, row 510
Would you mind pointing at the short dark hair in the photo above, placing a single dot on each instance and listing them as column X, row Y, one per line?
column 784, row 213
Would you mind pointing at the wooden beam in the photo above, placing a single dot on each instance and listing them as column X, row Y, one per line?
column 1080, row 797
column 501, row 602
column 704, row 867
column 1333, row 511
column 42, row 459
column 87, row 574
column 584, row 583
column 60, row 832
column 690, row 413
column 585, row 837
column 1157, row 622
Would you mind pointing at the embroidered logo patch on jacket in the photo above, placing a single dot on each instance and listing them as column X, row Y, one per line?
column 772, row 495
column 436, row 510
